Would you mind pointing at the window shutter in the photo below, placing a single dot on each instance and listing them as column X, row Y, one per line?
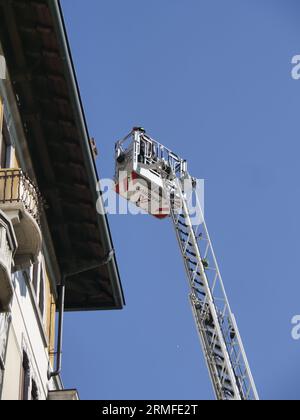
column 26, row 378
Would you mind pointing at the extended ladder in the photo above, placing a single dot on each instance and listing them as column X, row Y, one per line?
column 141, row 159
column 216, row 325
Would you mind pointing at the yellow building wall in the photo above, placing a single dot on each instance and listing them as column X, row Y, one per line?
column 50, row 318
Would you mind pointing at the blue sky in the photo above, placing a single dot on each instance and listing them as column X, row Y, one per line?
column 211, row 80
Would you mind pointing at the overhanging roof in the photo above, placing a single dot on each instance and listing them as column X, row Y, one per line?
column 39, row 62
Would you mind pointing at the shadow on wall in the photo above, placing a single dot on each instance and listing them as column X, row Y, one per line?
column 20, row 279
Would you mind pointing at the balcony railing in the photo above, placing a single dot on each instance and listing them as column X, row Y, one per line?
column 21, row 201
column 16, row 187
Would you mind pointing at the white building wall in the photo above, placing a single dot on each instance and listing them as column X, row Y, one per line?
column 25, row 334
column 13, row 363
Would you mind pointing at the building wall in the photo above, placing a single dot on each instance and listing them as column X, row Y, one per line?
column 29, row 336
column 27, row 333
column 13, row 363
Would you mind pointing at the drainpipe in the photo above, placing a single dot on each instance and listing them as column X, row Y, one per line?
column 61, row 310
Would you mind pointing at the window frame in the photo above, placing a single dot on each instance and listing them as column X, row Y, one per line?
column 6, row 146
column 37, row 277
column 25, row 378
column 29, row 390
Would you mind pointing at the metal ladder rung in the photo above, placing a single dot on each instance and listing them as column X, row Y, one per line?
column 193, row 254
column 214, row 343
column 216, row 346
column 220, row 363
column 209, row 322
column 194, row 272
column 182, row 224
column 183, row 233
column 228, row 385
column 199, row 291
column 192, row 262
column 221, row 358
column 199, row 283
column 187, row 243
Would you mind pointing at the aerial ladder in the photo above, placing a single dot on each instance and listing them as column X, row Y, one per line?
column 155, row 179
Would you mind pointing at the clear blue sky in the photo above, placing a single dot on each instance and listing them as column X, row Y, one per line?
column 211, row 79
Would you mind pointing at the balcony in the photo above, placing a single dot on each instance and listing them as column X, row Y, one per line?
column 21, row 201
column 63, row 395
column 8, row 246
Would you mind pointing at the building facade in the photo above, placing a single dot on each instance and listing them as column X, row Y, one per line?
column 56, row 251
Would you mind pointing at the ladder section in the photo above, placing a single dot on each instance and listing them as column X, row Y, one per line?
column 221, row 342
column 167, row 179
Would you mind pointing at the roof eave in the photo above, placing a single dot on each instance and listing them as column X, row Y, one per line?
column 56, row 10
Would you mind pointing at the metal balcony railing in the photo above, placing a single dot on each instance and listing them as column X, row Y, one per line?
column 16, row 187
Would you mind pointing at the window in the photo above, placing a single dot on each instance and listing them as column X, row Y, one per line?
column 5, row 143
column 38, row 284
column 42, row 293
column 3, row 151
column 36, row 277
column 3, row 146
column 28, row 387
column 34, row 391
column 25, row 383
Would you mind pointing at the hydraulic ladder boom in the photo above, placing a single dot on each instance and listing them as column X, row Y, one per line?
column 221, row 342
